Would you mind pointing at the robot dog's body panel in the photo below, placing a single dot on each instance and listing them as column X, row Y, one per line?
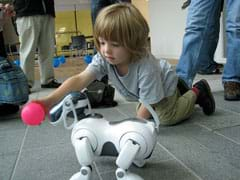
column 116, row 133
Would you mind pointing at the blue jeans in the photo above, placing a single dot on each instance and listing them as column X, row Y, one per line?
column 97, row 5
column 201, row 38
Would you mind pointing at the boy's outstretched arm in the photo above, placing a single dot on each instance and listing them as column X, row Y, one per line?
column 74, row 83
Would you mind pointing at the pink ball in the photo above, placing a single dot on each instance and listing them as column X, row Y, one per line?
column 33, row 114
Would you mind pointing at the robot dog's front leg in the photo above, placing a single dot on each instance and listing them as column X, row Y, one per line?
column 85, row 156
column 125, row 159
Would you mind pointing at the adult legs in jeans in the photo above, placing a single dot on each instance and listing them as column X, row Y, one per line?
column 231, row 73
column 200, row 39
column 208, row 64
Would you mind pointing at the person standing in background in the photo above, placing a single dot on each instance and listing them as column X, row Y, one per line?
column 36, row 29
column 200, row 42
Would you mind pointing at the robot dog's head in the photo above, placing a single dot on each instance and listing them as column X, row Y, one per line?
column 73, row 103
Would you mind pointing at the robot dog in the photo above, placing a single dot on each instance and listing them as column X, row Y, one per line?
column 131, row 140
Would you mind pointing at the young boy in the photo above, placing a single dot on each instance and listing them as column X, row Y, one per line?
column 121, row 38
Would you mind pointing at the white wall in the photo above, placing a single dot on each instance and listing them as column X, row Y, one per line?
column 167, row 23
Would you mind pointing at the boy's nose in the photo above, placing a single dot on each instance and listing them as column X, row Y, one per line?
column 108, row 49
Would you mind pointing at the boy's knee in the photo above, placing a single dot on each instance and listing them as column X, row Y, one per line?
column 167, row 124
column 171, row 121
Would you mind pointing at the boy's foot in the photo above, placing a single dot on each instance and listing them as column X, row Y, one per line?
column 231, row 91
column 205, row 98
column 52, row 84
column 182, row 86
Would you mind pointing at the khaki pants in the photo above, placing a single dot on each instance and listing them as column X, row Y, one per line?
column 37, row 32
column 176, row 108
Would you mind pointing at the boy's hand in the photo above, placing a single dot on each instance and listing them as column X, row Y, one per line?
column 45, row 103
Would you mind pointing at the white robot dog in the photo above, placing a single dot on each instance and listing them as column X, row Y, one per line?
column 130, row 140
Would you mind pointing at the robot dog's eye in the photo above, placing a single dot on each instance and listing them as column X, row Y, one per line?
column 67, row 104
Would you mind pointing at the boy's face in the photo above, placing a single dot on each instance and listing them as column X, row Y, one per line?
column 113, row 52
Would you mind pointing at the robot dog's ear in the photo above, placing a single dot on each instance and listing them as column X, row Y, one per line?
column 69, row 108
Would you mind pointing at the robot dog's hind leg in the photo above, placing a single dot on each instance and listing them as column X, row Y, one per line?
column 125, row 159
column 85, row 156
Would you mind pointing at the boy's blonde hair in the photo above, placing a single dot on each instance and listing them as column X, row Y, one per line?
column 123, row 23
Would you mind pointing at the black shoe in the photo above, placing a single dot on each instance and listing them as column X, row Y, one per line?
column 52, row 84
column 205, row 98
column 182, row 86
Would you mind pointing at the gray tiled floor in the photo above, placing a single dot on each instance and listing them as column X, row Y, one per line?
column 204, row 147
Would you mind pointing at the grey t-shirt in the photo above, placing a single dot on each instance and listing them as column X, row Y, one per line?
column 148, row 79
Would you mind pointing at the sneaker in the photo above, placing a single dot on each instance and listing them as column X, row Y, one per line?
column 205, row 98
column 52, row 84
column 182, row 86
column 231, row 91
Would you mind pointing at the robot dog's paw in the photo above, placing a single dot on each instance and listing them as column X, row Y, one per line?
column 84, row 174
column 76, row 176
